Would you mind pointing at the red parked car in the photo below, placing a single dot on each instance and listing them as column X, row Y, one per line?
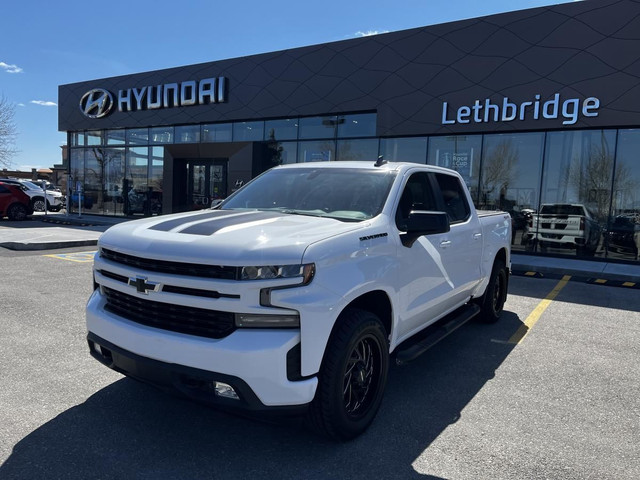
column 14, row 203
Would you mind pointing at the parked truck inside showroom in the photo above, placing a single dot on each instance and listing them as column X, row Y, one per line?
column 291, row 295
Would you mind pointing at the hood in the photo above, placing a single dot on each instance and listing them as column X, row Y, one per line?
column 224, row 237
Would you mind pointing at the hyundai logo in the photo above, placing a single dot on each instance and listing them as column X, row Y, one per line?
column 96, row 103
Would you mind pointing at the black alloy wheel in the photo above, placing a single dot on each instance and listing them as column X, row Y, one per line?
column 352, row 377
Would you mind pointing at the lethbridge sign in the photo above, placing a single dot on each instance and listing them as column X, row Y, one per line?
column 98, row 103
column 506, row 111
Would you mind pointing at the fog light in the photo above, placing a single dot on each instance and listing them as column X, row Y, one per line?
column 97, row 348
column 225, row 390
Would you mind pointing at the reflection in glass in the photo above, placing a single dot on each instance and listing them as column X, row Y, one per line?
column 137, row 136
column 156, row 180
column 358, row 150
column 510, row 179
column 358, row 125
column 161, row 135
column 93, row 180
column 247, row 131
column 320, row 151
column 622, row 237
column 286, row 129
column 76, row 172
column 115, row 137
column 318, row 127
column 114, row 163
column 94, row 138
column 77, row 139
column 460, row 153
column 188, row 134
column 578, row 173
column 216, row 132
column 135, row 183
column 412, row 149
column 288, row 152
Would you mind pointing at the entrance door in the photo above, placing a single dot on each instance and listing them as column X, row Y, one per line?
column 206, row 182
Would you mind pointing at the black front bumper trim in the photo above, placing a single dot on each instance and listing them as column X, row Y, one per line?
column 193, row 383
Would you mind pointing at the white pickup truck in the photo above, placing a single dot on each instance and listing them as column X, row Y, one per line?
column 291, row 295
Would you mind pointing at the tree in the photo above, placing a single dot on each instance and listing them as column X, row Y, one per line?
column 7, row 132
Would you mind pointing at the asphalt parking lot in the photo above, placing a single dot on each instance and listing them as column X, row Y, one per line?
column 551, row 391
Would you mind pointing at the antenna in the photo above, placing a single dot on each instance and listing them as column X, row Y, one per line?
column 381, row 161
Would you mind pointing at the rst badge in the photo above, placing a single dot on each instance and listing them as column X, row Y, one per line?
column 96, row 103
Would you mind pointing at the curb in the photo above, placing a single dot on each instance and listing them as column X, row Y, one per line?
column 24, row 247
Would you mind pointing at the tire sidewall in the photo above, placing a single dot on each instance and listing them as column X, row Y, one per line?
column 498, row 280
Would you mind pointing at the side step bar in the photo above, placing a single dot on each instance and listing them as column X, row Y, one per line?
column 433, row 334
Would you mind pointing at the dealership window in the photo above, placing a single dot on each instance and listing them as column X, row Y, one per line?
column 161, row 135
column 136, row 181
column 93, row 180
column 357, row 125
column 94, row 138
column 317, row 151
column 285, row 129
column 623, row 232
column 155, row 190
column 576, row 192
column 137, row 136
column 77, row 139
column 460, row 153
column 216, row 132
column 248, row 131
column 318, row 127
column 412, row 149
column 510, row 179
column 358, row 150
column 113, row 176
column 188, row 134
column 115, row 137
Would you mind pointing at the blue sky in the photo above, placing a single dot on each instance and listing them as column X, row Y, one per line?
column 44, row 44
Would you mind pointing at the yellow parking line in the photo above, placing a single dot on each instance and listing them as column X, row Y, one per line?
column 600, row 280
column 628, row 284
column 534, row 316
column 84, row 257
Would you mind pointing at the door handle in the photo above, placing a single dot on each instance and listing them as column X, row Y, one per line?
column 477, row 236
column 445, row 243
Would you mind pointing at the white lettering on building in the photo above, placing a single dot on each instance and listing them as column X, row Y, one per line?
column 506, row 111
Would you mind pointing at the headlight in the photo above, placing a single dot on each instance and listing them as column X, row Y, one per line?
column 305, row 272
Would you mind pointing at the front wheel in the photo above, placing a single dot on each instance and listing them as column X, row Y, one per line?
column 38, row 204
column 492, row 302
column 352, row 377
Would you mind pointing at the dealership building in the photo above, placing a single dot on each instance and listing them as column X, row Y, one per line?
column 538, row 109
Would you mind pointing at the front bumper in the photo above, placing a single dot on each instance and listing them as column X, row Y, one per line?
column 257, row 361
column 193, row 383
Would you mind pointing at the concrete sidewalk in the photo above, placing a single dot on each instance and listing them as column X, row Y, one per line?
column 55, row 231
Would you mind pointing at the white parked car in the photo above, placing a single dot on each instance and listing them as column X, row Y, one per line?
column 294, row 292
column 55, row 199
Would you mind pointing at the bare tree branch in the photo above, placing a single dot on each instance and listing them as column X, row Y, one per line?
column 7, row 132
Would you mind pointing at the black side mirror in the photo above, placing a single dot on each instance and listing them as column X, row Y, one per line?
column 422, row 223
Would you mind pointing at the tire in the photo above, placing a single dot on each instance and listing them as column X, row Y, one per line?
column 352, row 377
column 492, row 302
column 17, row 211
column 38, row 204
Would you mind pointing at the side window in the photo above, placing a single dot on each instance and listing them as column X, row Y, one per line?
column 417, row 195
column 454, row 198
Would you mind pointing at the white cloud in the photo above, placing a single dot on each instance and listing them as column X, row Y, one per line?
column 368, row 33
column 10, row 68
column 44, row 103
column 21, row 104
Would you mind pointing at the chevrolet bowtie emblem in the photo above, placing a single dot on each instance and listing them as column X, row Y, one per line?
column 142, row 286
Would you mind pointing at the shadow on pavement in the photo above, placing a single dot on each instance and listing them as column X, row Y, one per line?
column 130, row 430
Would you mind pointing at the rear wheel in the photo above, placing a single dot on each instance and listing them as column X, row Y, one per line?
column 17, row 211
column 492, row 302
column 352, row 377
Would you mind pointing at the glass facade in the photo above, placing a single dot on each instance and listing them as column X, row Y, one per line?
column 573, row 192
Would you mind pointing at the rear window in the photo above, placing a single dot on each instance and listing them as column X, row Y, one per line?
column 562, row 209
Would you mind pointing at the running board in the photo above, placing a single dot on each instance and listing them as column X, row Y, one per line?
column 435, row 333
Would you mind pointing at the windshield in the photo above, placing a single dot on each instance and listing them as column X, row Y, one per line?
column 341, row 193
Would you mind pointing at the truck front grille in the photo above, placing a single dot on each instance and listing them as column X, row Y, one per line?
column 178, row 268
column 176, row 318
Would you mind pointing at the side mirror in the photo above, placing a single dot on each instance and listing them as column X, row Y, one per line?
column 422, row 223
column 216, row 203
